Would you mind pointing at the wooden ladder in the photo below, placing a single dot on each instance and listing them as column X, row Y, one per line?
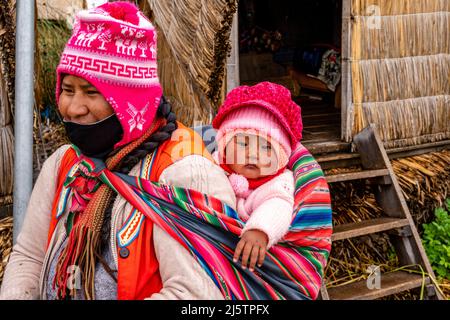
column 397, row 222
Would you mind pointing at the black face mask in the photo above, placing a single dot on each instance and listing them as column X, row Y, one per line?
column 95, row 140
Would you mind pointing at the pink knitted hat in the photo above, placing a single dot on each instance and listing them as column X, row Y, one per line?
column 274, row 98
column 256, row 121
column 113, row 46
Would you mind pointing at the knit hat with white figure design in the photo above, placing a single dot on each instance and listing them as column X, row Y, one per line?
column 113, row 46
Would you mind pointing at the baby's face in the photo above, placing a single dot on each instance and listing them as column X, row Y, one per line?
column 251, row 156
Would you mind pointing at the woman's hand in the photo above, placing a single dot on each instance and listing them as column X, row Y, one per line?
column 252, row 245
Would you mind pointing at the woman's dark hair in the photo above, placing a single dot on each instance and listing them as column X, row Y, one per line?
column 164, row 133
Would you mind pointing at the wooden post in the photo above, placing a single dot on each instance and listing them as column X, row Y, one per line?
column 233, row 60
column 346, row 80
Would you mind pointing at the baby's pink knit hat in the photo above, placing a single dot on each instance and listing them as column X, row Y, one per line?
column 257, row 121
column 270, row 96
column 267, row 108
column 113, row 46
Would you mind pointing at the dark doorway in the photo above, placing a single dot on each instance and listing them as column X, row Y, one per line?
column 297, row 44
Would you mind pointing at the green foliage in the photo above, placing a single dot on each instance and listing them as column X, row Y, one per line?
column 436, row 240
column 52, row 36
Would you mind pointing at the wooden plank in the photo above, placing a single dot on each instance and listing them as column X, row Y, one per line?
column 338, row 160
column 391, row 199
column 320, row 115
column 233, row 59
column 357, row 229
column 347, row 159
column 334, row 157
column 370, row 149
column 316, row 126
column 346, row 80
column 326, row 146
column 391, row 283
column 357, row 175
column 418, row 150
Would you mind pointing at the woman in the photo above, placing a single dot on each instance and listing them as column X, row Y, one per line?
column 77, row 228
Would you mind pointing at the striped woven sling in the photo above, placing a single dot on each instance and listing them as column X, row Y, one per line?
column 209, row 230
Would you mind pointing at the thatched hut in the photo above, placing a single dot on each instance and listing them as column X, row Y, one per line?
column 399, row 70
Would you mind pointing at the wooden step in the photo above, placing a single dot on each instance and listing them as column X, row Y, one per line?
column 338, row 160
column 391, row 283
column 357, row 229
column 327, row 145
column 357, row 175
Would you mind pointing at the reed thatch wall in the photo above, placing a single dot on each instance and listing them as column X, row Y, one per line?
column 193, row 43
column 400, row 68
column 7, row 67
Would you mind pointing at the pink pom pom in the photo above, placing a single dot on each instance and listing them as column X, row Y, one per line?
column 239, row 184
column 122, row 10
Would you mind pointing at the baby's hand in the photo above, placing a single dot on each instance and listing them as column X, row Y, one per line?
column 253, row 244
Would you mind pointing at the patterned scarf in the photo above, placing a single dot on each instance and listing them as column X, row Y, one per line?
column 90, row 199
column 209, row 230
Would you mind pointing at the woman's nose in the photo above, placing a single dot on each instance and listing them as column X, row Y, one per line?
column 77, row 106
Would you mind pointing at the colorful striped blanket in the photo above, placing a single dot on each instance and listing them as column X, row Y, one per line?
column 209, row 229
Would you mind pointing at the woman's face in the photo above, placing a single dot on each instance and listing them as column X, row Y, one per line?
column 250, row 156
column 81, row 102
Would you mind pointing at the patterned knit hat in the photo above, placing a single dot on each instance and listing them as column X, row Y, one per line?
column 265, row 107
column 113, row 46
column 273, row 97
column 254, row 120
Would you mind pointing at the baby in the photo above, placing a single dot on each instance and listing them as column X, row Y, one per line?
column 258, row 127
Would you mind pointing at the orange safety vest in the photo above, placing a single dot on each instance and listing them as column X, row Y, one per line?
column 138, row 268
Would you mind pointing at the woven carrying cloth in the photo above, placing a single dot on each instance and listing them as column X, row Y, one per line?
column 209, row 230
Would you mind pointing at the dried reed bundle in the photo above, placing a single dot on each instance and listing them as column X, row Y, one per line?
column 48, row 137
column 6, row 235
column 6, row 200
column 179, row 90
column 405, row 36
column 7, row 72
column 51, row 38
column 8, row 48
column 390, row 7
column 404, row 78
column 445, row 286
column 400, row 74
column 416, row 121
column 425, row 182
column 192, row 47
column 6, row 160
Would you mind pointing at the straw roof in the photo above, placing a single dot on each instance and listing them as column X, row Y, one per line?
column 193, row 43
column 7, row 63
column 400, row 62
